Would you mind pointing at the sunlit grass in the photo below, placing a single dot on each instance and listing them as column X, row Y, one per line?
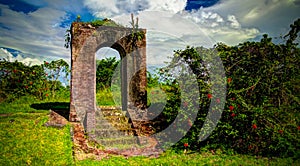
column 19, row 105
column 24, row 140
column 104, row 97
column 204, row 158
column 23, row 103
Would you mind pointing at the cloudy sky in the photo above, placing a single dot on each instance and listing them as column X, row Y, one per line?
column 33, row 30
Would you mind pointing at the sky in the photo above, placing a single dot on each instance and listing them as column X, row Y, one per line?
column 32, row 31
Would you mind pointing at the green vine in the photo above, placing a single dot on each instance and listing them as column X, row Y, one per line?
column 67, row 38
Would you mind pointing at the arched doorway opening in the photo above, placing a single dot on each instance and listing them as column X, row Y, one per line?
column 108, row 64
column 107, row 59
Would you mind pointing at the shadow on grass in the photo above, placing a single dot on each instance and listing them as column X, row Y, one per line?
column 62, row 108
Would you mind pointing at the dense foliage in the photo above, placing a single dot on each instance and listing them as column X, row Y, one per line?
column 261, row 114
column 105, row 70
column 40, row 81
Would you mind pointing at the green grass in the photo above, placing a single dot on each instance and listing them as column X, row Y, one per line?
column 23, row 104
column 104, row 97
column 20, row 105
column 204, row 158
column 24, row 140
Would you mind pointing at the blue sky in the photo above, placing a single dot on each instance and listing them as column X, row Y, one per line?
column 33, row 30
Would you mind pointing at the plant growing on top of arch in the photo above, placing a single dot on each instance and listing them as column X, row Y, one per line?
column 136, row 34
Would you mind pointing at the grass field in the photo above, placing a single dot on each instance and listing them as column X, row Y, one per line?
column 174, row 159
column 24, row 140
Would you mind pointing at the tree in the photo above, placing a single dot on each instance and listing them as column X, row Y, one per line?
column 105, row 70
column 18, row 79
column 55, row 70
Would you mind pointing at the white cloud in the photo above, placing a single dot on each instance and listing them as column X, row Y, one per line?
column 107, row 52
column 27, row 61
column 112, row 8
column 173, row 6
column 34, row 33
column 233, row 22
column 105, row 9
column 268, row 16
column 191, row 26
column 160, row 47
column 102, row 8
column 225, row 29
column 167, row 32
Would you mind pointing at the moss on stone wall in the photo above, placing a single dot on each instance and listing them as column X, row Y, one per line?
column 104, row 22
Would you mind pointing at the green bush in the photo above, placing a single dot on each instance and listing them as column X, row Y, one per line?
column 261, row 114
column 41, row 81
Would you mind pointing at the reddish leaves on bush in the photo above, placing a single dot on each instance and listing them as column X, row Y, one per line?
column 209, row 96
column 233, row 115
column 254, row 126
column 185, row 145
column 250, row 147
column 46, row 63
column 280, row 131
column 229, row 80
column 218, row 100
column 298, row 127
column 47, row 95
column 231, row 107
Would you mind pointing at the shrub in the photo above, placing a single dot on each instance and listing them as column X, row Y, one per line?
column 261, row 110
column 18, row 79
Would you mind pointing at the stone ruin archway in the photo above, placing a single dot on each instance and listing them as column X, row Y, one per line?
column 86, row 40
